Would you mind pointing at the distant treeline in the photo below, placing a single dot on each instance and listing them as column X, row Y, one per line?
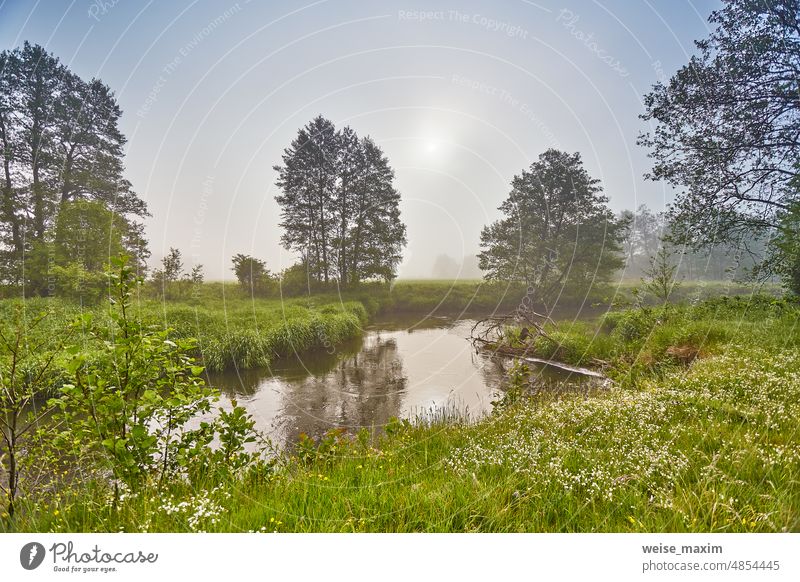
column 645, row 234
column 648, row 231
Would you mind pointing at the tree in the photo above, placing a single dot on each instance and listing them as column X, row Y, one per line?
column 308, row 181
column 170, row 272
column 294, row 280
column 377, row 234
column 252, row 274
column 59, row 143
column 557, row 231
column 643, row 237
column 727, row 130
column 172, row 265
column 787, row 242
column 197, row 276
column 659, row 277
column 339, row 208
column 76, row 251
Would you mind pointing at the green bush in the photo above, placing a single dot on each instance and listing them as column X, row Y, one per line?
column 634, row 324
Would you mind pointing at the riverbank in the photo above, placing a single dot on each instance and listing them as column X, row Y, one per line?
column 237, row 331
column 705, row 445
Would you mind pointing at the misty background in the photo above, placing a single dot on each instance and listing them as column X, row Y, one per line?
column 460, row 95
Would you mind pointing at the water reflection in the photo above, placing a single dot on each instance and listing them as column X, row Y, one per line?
column 398, row 368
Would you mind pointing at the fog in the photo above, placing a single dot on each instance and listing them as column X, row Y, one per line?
column 460, row 96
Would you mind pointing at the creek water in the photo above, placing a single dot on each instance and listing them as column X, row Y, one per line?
column 399, row 367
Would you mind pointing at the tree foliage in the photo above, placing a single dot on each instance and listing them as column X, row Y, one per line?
column 557, row 231
column 339, row 208
column 787, row 242
column 128, row 406
column 170, row 281
column 726, row 129
column 252, row 274
column 60, row 142
column 660, row 276
column 76, row 250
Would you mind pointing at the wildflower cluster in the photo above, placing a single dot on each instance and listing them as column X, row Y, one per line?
column 200, row 511
column 719, row 429
column 587, row 447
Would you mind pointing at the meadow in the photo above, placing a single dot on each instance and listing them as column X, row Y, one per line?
column 698, row 432
column 237, row 330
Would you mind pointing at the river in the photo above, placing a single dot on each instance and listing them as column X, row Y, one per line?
column 399, row 367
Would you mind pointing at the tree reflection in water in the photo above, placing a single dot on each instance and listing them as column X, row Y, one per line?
column 401, row 368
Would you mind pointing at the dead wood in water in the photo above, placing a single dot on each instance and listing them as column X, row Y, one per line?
column 490, row 338
column 495, row 323
column 521, row 354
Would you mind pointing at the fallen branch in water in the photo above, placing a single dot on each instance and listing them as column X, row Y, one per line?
column 494, row 325
column 489, row 340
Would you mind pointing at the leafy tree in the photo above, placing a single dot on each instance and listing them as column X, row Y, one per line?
column 191, row 283
column 787, row 242
column 172, row 265
column 643, row 237
column 727, row 130
column 307, row 180
column 75, row 282
column 252, row 274
column 71, row 260
column 377, row 234
column 89, row 233
column 129, row 404
column 59, row 143
column 295, row 280
column 557, row 231
column 197, row 276
column 660, row 276
column 339, row 208
column 167, row 276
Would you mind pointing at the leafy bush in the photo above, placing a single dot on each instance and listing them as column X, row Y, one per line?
column 634, row 324
column 295, row 281
column 130, row 402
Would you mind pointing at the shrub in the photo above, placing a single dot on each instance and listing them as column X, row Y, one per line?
column 142, row 389
column 634, row 324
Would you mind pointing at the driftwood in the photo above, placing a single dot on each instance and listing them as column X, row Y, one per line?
column 495, row 323
column 489, row 339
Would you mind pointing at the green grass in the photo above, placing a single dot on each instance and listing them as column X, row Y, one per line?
column 251, row 333
column 452, row 297
column 635, row 340
column 699, row 432
column 230, row 331
column 708, row 446
column 481, row 297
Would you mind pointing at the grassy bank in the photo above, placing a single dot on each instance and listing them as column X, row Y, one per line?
column 652, row 339
column 233, row 331
column 707, row 445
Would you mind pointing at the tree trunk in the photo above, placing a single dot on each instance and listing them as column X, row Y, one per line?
column 8, row 195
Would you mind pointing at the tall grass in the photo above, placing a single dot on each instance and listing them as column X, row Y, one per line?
column 248, row 334
column 654, row 337
column 230, row 332
column 710, row 445
column 711, row 449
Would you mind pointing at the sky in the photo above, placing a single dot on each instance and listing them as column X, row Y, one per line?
column 461, row 96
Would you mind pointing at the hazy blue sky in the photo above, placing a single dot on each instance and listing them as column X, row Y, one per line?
column 460, row 95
